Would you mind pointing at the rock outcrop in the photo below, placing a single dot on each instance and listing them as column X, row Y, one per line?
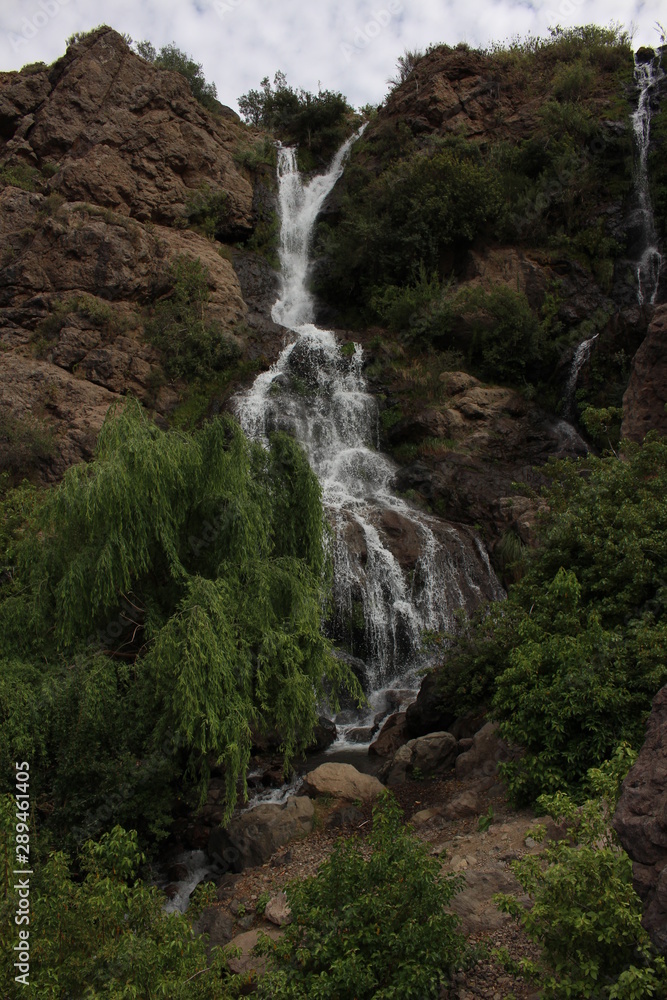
column 641, row 822
column 424, row 757
column 102, row 157
column 341, row 781
column 254, row 835
column 122, row 135
column 645, row 399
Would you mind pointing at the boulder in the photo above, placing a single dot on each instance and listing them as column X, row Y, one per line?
column 482, row 758
column 254, row 835
column 217, row 923
column 342, row 781
column 427, row 714
column 641, row 822
column 323, row 736
column 425, row 755
column 278, row 911
column 248, row 962
column 346, row 816
column 391, row 736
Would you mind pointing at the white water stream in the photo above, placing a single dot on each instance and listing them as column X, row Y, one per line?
column 647, row 75
column 317, row 393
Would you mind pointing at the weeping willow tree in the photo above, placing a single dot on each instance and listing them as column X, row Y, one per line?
column 184, row 575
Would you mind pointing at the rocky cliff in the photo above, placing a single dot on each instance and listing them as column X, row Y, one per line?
column 102, row 158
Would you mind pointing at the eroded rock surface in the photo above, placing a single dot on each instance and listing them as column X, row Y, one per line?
column 641, row 821
column 645, row 399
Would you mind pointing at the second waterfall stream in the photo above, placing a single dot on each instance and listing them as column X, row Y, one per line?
column 398, row 572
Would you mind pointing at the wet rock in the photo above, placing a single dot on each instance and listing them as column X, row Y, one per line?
column 253, row 836
column 323, row 736
column 361, row 734
column 427, row 714
column 391, row 736
column 342, row 781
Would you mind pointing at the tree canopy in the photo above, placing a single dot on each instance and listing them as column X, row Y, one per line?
column 164, row 602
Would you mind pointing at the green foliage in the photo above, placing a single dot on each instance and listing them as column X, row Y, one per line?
column 570, row 662
column 372, row 929
column 319, row 121
column 192, row 346
column 97, row 312
column 105, row 934
column 26, row 445
column 585, row 913
column 207, row 211
column 396, row 227
column 172, row 58
column 20, row 175
column 165, row 598
column 496, row 328
column 603, row 425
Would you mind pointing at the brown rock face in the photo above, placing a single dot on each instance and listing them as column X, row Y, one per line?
column 645, row 399
column 641, row 822
column 123, row 134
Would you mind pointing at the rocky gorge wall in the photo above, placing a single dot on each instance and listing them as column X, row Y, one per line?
column 101, row 156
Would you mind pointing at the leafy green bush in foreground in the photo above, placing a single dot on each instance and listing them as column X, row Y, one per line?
column 585, row 913
column 371, row 929
column 570, row 663
column 105, row 935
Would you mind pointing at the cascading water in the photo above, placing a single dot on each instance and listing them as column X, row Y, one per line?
column 398, row 569
column 647, row 75
column 581, row 356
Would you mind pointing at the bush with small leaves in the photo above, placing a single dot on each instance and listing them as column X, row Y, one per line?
column 371, row 928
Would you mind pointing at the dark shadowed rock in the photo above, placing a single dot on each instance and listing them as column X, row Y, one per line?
column 252, row 836
column 425, row 755
column 641, row 822
column 646, row 396
column 391, row 736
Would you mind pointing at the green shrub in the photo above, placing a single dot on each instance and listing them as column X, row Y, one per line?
column 191, row 346
column 570, row 663
column 573, row 81
column 20, row 175
column 396, row 227
column 207, row 211
column 585, row 914
column 25, row 444
column 318, row 122
column 104, row 934
column 172, row 58
column 371, row 929
column 163, row 600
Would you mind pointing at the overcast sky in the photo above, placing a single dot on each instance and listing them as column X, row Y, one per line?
column 346, row 45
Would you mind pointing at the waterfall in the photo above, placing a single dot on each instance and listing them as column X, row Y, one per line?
column 398, row 571
column 647, row 75
column 581, row 356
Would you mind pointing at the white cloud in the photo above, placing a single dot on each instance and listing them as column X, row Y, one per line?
column 350, row 45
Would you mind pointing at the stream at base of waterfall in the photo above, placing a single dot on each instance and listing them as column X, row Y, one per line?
column 398, row 572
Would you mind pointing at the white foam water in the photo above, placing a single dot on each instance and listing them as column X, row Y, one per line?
column 317, row 393
column 647, row 75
